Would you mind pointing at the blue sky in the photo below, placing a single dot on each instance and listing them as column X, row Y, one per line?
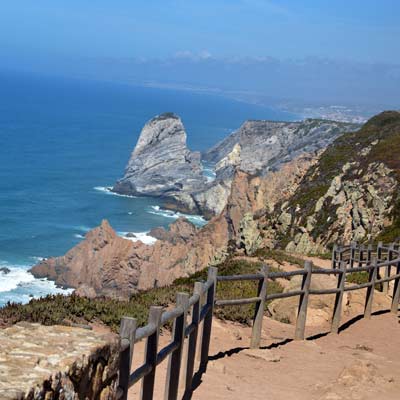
column 320, row 51
column 360, row 30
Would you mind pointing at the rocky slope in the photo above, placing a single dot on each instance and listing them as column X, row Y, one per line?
column 258, row 147
column 161, row 164
column 265, row 145
column 351, row 193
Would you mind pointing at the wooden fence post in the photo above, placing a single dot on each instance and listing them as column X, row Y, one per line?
column 379, row 252
column 151, row 353
column 396, row 292
column 387, row 271
column 259, row 310
column 191, row 351
column 175, row 359
column 337, row 310
column 369, row 254
column 334, row 255
column 361, row 256
column 303, row 302
column 127, row 335
column 370, row 289
column 352, row 253
column 205, row 344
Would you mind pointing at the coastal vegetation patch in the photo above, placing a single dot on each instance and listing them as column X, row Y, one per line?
column 67, row 310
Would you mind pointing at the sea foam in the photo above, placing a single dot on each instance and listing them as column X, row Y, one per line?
column 108, row 190
column 20, row 286
column 142, row 236
column 195, row 219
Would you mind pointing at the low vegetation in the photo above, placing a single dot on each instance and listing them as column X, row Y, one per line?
column 58, row 309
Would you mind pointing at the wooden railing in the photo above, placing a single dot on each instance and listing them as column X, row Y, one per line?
column 200, row 305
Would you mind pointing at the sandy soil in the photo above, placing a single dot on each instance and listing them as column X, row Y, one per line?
column 362, row 362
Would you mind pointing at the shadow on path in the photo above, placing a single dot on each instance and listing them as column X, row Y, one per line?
column 228, row 353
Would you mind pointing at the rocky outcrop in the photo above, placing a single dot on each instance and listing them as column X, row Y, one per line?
column 57, row 362
column 161, row 164
column 112, row 265
column 265, row 145
column 259, row 147
column 351, row 193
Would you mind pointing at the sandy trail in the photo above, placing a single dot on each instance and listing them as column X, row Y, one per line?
column 362, row 362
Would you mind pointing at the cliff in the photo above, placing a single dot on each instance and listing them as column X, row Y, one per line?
column 351, row 193
column 115, row 266
column 258, row 147
column 161, row 164
column 265, row 145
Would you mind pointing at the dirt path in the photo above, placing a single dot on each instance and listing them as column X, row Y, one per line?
column 362, row 362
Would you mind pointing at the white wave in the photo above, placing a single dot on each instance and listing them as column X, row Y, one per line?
column 20, row 286
column 14, row 278
column 108, row 190
column 195, row 219
column 79, row 236
column 142, row 236
column 82, row 228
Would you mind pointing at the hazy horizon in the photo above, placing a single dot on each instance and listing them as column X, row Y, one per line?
column 269, row 52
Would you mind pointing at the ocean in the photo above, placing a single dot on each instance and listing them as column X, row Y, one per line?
column 63, row 142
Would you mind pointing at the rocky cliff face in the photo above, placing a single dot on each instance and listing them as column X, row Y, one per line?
column 111, row 265
column 161, row 164
column 265, row 145
column 351, row 193
column 258, row 147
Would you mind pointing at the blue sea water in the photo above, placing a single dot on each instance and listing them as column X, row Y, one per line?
column 62, row 142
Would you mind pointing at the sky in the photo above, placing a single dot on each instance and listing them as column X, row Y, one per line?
column 74, row 35
column 361, row 30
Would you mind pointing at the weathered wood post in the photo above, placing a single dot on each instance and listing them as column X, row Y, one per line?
column 388, row 269
column 396, row 291
column 337, row 309
column 259, row 310
column 175, row 359
column 370, row 289
column 147, row 389
column 303, row 302
column 353, row 246
column 379, row 252
column 369, row 254
column 127, row 336
column 361, row 256
column 205, row 345
column 191, row 351
column 334, row 255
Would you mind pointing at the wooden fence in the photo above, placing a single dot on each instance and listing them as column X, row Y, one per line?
column 382, row 263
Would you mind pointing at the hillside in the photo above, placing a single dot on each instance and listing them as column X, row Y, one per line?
column 350, row 193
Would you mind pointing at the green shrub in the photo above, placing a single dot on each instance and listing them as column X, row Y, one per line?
column 358, row 277
column 58, row 309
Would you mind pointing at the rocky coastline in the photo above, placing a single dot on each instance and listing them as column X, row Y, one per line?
column 303, row 206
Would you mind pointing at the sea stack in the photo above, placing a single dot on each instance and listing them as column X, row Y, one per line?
column 161, row 164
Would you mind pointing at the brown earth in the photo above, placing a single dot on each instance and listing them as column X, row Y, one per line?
column 362, row 362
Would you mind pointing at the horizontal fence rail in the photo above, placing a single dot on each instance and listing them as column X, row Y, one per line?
column 381, row 263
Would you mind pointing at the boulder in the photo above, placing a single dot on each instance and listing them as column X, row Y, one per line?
column 161, row 164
